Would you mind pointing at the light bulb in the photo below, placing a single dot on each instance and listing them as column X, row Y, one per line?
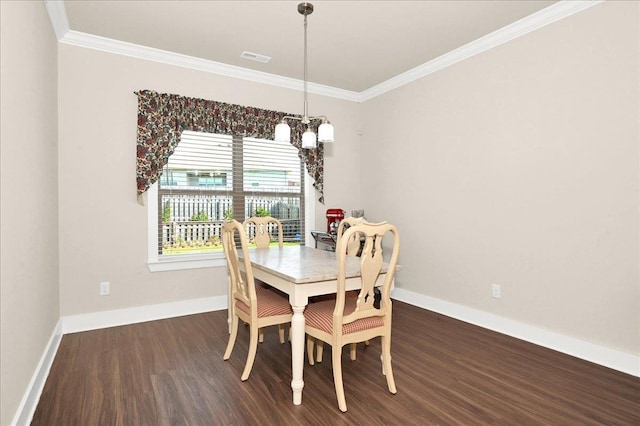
column 325, row 132
column 308, row 139
column 283, row 132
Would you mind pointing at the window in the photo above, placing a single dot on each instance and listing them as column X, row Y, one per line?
column 210, row 177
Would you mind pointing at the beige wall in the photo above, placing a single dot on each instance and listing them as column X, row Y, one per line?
column 29, row 207
column 522, row 165
column 522, row 169
column 103, row 230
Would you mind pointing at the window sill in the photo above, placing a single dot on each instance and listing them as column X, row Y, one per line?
column 185, row 262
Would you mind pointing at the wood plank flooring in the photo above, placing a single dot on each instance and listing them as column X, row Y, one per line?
column 171, row 372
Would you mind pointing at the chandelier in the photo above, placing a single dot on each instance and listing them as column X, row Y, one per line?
column 325, row 130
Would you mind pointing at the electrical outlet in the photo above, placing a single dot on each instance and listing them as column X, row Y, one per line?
column 104, row 288
column 495, row 290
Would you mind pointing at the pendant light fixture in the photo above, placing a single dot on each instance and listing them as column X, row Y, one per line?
column 325, row 130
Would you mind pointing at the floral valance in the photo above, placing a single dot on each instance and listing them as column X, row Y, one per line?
column 163, row 117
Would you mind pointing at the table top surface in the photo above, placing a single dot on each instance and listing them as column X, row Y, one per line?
column 301, row 264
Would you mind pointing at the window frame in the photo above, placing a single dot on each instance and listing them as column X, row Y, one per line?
column 157, row 263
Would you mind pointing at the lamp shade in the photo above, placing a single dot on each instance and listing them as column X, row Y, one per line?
column 283, row 132
column 325, row 132
column 308, row 139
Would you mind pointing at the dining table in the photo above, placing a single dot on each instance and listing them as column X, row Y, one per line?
column 302, row 272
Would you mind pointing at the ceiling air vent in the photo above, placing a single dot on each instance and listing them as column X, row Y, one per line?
column 255, row 57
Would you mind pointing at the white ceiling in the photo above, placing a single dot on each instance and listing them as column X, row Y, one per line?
column 352, row 45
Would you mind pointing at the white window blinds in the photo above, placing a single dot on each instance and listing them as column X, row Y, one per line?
column 211, row 177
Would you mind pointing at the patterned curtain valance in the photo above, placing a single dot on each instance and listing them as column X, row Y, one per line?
column 162, row 118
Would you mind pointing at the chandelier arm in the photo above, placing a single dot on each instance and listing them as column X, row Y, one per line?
column 305, row 119
column 318, row 117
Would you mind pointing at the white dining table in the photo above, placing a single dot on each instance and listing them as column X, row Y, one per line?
column 302, row 272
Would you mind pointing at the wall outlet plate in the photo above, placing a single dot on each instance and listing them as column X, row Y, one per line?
column 495, row 291
column 104, row 288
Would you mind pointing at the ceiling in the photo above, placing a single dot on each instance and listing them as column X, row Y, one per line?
column 352, row 45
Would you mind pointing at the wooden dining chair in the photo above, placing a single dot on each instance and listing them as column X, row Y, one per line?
column 255, row 305
column 257, row 228
column 354, row 244
column 353, row 249
column 349, row 320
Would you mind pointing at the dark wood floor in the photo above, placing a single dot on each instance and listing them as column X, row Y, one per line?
column 171, row 372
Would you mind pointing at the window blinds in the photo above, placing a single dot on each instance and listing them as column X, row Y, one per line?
column 210, row 177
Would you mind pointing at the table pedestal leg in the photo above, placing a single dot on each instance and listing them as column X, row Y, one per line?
column 297, row 353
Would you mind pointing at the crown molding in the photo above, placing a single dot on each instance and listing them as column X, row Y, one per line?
column 104, row 44
column 519, row 28
column 553, row 13
column 58, row 17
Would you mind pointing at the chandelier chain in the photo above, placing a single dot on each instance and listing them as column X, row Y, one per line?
column 305, row 119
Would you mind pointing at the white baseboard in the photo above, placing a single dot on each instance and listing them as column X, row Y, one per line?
column 617, row 360
column 104, row 319
column 29, row 402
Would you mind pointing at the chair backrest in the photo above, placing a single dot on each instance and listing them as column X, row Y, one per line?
column 242, row 283
column 371, row 263
column 354, row 242
column 258, row 227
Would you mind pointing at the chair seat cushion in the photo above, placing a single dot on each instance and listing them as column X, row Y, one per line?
column 320, row 316
column 270, row 303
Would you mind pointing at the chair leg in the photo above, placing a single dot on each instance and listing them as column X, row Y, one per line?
column 251, row 356
column 319, row 346
column 386, row 363
column 336, row 357
column 232, row 338
column 310, row 342
column 281, row 333
column 261, row 335
column 352, row 351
